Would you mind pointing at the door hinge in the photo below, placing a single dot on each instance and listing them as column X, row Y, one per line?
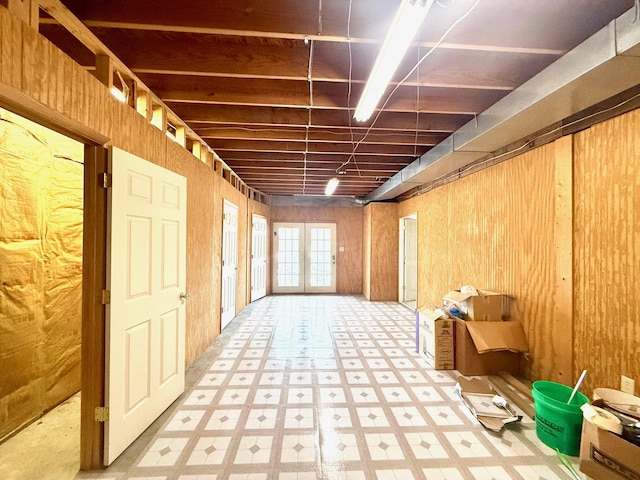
column 106, row 180
column 102, row 414
column 106, row 297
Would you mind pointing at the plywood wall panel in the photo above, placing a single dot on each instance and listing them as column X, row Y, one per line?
column 51, row 78
column 366, row 262
column 495, row 230
column 348, row 235
column 607, row 251
column 11, row 49
column 384, row 233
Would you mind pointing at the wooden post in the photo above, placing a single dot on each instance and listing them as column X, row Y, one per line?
column 196, row 149
column 104, row 70
column 159, row 117
column 143, row 104
column 181, row 135
column 562, row 333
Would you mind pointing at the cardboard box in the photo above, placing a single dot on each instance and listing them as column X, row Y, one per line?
column 606, row 456
column 486, row 307
column 436, row 335
column 486, row 348
column 479, row 395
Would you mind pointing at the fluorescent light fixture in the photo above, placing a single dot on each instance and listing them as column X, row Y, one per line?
column 331, row 186
column 404, row 27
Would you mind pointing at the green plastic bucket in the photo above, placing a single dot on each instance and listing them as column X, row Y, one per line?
column 558, row 424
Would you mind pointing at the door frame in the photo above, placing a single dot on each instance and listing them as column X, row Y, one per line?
column 94, row 276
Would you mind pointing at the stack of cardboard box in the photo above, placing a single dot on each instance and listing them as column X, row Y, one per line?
column 483, row 342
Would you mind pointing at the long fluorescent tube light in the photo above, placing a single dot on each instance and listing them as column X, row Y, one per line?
column 331, row 186
column 404, row 27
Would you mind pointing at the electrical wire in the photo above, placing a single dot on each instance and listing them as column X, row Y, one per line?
column 308, row 127
column 415, row 142
column 350, row 118
column 415, row 67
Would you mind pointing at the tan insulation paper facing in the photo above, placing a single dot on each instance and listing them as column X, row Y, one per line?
column 41, row 213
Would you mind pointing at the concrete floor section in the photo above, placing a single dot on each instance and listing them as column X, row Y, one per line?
column 47, row 449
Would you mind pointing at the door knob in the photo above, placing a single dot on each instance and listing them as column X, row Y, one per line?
column 184, row 296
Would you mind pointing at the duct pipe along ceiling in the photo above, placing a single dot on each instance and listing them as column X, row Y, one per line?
column 603, row 66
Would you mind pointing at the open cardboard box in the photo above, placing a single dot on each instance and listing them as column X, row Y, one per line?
column 485, row 348
column 486, row 306
column 478, row 394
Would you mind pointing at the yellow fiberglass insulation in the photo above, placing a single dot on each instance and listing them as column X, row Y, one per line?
column 41, row 195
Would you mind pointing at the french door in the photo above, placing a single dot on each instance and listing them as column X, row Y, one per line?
column 304, row 258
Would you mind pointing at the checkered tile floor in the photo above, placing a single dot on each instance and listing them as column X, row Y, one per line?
column 330, row 387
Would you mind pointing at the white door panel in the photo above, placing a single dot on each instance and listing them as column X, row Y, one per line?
column 258, row 257
column 229, row 262
column 408, row 260
column 145, row 318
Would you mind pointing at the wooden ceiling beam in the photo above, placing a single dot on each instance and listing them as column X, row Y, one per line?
column 343, row 135
column 327, row 20
column 199, row 116
column 241, row 57
column 295, row 93
column 338, row 159
column 222, row 146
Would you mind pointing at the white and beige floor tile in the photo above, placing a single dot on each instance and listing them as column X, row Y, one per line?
column 329, row 388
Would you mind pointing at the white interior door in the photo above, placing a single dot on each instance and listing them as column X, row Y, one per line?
column 304, row 258
column 409, row 260
column 145, row 347
column 258, row 257
column 229, row 262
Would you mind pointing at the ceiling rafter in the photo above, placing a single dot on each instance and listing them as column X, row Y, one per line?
column 236, row 72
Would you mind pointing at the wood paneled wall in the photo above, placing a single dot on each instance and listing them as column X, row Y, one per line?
column 381, row 224
column 497, row 230
column 349, row 236
column 42, row 84
column 556, row 228
column 607, row 251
